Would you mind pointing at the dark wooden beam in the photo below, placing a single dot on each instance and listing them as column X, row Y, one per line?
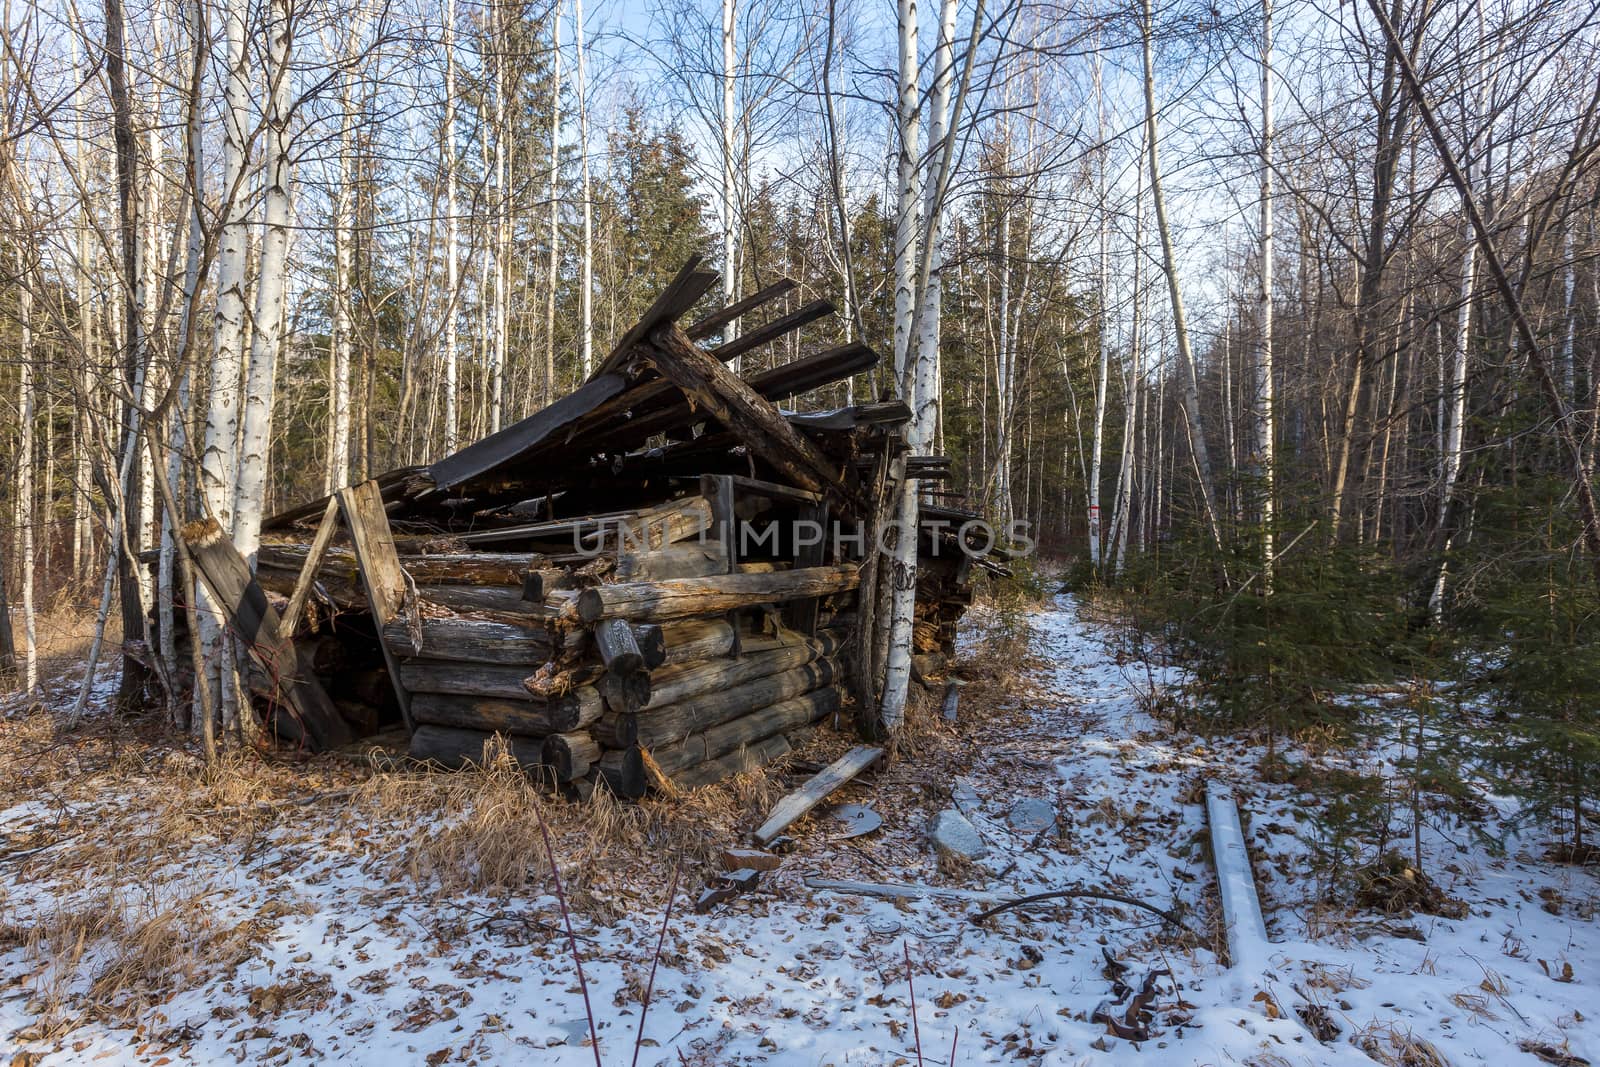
column 771, row 331
column 750, row 416
column 721, row 317
column 252, row 620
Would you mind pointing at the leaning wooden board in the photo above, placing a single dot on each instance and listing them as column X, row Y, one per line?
column 252, row 619
column 816, row 791
column 385, row 582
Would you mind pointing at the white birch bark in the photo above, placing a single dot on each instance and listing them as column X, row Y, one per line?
column 896, row 580
column 1097, row 446
column 729, row 126
column 337, row 475
column 586, row 267
column 555, row 212
column 1262, row 401
column 502, row 243
column 907, row 121
column 256, row 440
column 1137, row 404
column 924, row 390
column 1003, row 376
column 1454, row 396
column 452, row 240
column 24, row 486
column 219, row 461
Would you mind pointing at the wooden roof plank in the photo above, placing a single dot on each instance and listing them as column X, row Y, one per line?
column 722, row 316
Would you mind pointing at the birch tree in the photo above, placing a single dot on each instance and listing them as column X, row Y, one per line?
column 1262, row 393
column 255, row 446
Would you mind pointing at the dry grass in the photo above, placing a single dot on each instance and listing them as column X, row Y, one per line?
column 1389, row 1045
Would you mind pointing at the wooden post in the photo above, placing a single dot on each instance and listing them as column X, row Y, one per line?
column 308, row 571
column 385, row 582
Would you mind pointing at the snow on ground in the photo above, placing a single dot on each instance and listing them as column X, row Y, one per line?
column 340, row 960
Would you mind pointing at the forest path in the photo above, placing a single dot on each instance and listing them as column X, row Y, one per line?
column 345, row 954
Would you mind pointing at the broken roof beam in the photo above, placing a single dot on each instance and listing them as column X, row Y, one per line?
column 802, row 375
column 880, row 413
column 721, row 317
column 750, row 416
column 771, row 331
column 681, row 294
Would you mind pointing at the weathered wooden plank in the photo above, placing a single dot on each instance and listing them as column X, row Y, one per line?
column 673, row 685
column 483, row 456
column 695, row 639
column 685, row 597
column 252, row 620
column 879, row 413
column 771, row 331
column 722, row 316
column 570, row 755
column 506, row 600
column 619, row 650
column 652, row 644
column 814, row 792
column 622, row 770
column 469, row 679
column 393, row 484
column 338, row 564
column 689, row 560
column 686, row 287
column 657, row 528
column 296, row 609
column 625, row 692
column 381, row 575
column 659, row 406
column 750, row 416
column 574, row 711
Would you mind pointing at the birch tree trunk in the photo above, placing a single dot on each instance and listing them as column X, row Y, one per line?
column 337, row 475
column 1189, row 384
column 24, row 486
column 586, row 267
column 555, row 211
column 909, row 195
column 255, row 447
column 924, row 390
column 1262, row 400
column 452, row 239
column 502, row 242
column 219, row 462
column 729, row 124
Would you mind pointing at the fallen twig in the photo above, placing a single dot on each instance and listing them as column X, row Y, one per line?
column 1071, row 894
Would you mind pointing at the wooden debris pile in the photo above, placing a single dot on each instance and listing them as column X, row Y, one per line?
column 651, row 583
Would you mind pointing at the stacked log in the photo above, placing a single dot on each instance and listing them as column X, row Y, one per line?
column 680, row 680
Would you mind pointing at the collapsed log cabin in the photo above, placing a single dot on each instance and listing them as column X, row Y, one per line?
column 651, row 583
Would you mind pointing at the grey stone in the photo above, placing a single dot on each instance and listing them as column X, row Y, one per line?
column 1031, row 815
column 965, row 794
column 953, row 835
